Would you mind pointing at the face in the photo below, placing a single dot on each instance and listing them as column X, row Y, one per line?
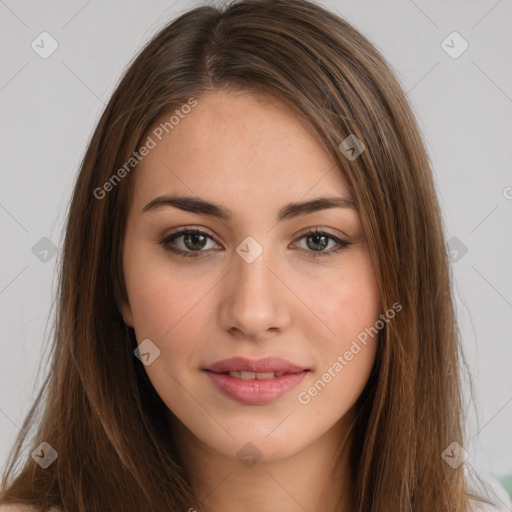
column 254, row 283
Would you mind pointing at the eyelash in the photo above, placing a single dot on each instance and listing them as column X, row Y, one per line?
column 166, row 242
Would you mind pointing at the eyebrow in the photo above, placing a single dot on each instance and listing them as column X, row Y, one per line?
column 289, row 211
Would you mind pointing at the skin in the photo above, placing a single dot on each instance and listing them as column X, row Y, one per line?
column 253, row 156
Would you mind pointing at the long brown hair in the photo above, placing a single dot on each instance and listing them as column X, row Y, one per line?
column 100, row 412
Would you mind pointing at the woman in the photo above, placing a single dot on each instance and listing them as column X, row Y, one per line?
column 254, row 308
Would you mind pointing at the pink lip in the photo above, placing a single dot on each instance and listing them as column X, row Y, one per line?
column 256, row 391
column 267, row 364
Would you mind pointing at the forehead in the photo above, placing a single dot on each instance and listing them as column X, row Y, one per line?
column 241, row 148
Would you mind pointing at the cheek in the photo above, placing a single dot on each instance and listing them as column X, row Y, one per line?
column 346, row 299
column 170, row 307
column 346, row 355
column 346, row 341
column 163, row 297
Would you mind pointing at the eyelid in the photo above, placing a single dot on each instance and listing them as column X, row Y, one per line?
column 339, row 234
column 191, row 227
column 300, row 234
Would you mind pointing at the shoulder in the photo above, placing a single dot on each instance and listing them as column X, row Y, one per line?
column 491, row 489
column 500, row 505
column 483, row 507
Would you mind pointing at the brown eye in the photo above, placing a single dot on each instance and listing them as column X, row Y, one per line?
column 192, row 244
column 317, row 241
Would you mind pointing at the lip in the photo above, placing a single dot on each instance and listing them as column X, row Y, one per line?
column 255, row 391
column 267, row 364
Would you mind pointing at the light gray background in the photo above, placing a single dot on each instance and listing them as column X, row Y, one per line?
column 49, row 107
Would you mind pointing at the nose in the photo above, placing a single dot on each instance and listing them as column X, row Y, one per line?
column 255, row 300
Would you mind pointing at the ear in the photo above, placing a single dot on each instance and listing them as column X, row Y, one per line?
column 126, row 313
column 124, row 309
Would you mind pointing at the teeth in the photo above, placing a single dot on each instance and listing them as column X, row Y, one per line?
column 267, row 375
column 254, row 375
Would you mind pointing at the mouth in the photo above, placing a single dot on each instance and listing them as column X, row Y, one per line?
column 253, row 382
column 253, row 375
column 248, row 369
